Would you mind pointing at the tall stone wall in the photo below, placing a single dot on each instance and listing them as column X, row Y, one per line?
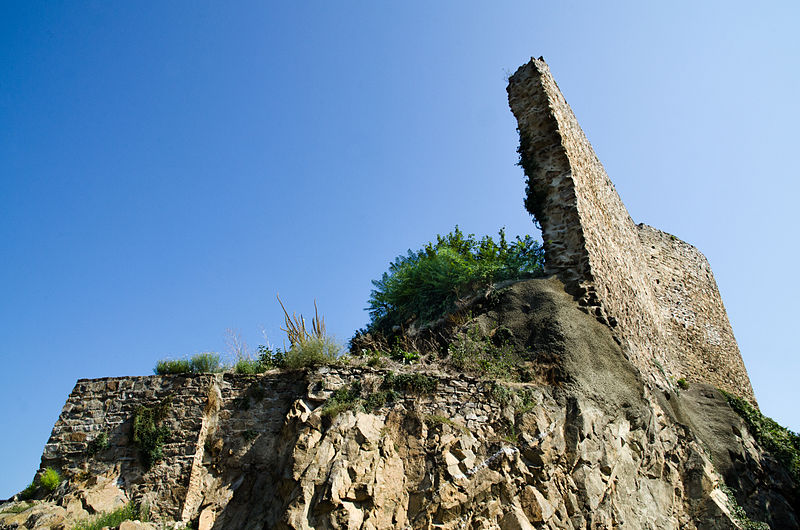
column 655, row 291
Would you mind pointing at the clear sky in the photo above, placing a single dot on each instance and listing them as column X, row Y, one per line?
column 166, row 168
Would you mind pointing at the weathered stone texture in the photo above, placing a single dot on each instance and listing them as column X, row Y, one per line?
column 655, row 291
column 256, row 452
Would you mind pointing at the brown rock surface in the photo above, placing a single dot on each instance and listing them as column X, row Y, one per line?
column 597, row 447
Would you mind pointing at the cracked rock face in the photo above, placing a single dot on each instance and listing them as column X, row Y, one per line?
column 600, row 448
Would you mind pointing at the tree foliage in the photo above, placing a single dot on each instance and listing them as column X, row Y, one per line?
column 428, row 283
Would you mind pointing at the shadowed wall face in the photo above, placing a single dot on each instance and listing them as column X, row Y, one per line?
column 655, row 291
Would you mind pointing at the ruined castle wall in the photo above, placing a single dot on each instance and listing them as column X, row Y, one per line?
column 692, row 311
column 200, row 408
column 592, row 244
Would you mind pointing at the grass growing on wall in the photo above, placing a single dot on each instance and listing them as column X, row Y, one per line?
column 202, row 363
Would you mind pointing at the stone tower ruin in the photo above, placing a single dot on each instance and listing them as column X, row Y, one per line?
column 655, row 291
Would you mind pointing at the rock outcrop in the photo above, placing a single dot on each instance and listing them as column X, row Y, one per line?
column 597, row 447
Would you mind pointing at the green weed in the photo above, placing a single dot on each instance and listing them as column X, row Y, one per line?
column 472, row 353
column 149, row 433
column 173, row 366
column 99, row 443
column 249, row 367
column 314, row 351
column 202, row 363
column 780, row 441
column 50, row 479
column 411, row 383
column 739, row 514
column 129, row 512
column 206, row 363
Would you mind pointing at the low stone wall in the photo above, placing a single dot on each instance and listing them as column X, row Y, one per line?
column 654, row 290
column 211, row 418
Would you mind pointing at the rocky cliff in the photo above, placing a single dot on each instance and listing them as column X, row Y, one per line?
column 588, row 444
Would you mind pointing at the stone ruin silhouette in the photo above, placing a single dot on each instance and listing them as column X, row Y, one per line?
column 656, row 292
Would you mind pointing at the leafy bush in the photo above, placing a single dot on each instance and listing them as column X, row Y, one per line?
column 206, row 363
column 29, row 491
column 50, row 479
column 780, row 441
column 349, row 398
column 99, row 443
column 148, row 431
column 313, row 351
column 426, row 284
column 345, row 398
column 202, row 363
column 249, row 367
column 413, row 383
column 170, row 366
column 683, row 384
column 271, row 357
column 129, row 512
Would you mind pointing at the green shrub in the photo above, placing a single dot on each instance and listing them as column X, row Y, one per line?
column 349, row 398
column 313, row 351
column 271, row 357
column 402, row 356
column 99, row 443
column 29, row 491
column 683, row 384
column 412, row 383
column 780, row 441
column 50, row 479
column 202, row 363
column 129, row 512
column 173, row 366
column 738, row 512
column 148, row 431
column 249, row 366
column 206, row 363
column 345, row 398
column 426, row 284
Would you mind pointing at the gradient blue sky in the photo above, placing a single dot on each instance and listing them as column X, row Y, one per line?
column 166, row 168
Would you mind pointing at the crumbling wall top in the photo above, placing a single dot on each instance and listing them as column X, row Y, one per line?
column 656, row 292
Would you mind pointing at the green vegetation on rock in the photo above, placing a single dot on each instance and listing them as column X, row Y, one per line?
column 474, row 353
column 426, row 284
column 202, row 363
column 99, row 443
column 314, row 351
column 149, row 432
column 780, row 441
column 129, row 512
column 50, row 479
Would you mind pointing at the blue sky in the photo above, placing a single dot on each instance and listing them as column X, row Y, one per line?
column 167, row 168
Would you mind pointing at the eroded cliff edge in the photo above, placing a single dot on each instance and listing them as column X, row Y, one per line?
column 596, row 447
